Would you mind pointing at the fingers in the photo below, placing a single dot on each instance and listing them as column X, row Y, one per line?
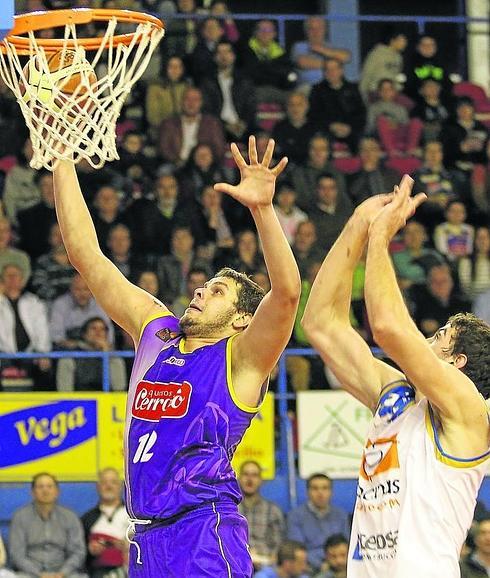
column 419, row 199
column 237, row 157
column 266, row 161
column 252, row 151
column 225, row 188
column 281, row 165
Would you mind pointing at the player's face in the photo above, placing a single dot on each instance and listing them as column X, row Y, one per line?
column 212, row 311
column 442, row 342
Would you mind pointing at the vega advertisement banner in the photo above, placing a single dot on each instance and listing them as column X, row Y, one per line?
column 76, row 435
column 72, row 436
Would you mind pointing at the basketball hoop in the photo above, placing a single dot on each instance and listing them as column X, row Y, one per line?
column 73, row 130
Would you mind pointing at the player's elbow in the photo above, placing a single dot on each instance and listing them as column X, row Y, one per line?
column 385, row 332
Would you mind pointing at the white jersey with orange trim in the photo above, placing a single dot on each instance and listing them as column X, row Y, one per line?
column 415, row 503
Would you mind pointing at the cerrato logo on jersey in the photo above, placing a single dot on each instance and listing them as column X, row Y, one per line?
column 156, row 401
column 376, row 546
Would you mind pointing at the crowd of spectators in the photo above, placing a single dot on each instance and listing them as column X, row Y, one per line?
column 163, row 225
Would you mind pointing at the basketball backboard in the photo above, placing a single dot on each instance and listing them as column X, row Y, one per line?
column 6, row 17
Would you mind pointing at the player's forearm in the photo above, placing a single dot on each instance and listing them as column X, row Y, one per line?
column 330, row 296
column 386, row 308
column 74, row 218
column 279, row 259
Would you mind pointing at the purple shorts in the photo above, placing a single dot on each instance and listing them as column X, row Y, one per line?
column 211, row 541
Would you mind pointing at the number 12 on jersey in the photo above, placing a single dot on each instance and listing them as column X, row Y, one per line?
column 146, row 442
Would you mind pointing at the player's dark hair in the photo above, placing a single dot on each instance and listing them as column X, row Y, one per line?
column 287, row 551
column 40, row 475
column 317, row 477
column 249, row 293
column 335, row 540
column 472, row 338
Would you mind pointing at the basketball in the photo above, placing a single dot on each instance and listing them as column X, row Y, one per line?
column 69, row 80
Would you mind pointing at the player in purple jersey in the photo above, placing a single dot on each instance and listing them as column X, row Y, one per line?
column 196, row 383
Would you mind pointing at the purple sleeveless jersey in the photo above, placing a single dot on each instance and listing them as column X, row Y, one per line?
column 183, row 424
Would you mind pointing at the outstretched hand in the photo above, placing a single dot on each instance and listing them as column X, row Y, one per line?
column 257, row 179
column 396, row 213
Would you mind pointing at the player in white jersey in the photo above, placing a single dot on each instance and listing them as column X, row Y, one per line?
column 426, row 450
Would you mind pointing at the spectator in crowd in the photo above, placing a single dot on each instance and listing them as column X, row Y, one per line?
column 106, row 212
column 305, row 248
column 439, row 184
column 201, row 61
column 120, row 253
column 219, row 8
column 134, row 164
column 426, row 64
column 331, row 211
column 151, row 219
column 414, row 261
column 477, row 563
column 481, row 306
column 91, row 179
column 148, row 281
column 105, row 529
column 180, row 134
column 181, row 33
column 172, row 269
column 266, row 524
column 195, row 278
column 267, row 64
column 4, row 572
column 316, row 520
column 247, row 258
column 373, row 176
column 20, row 190
column 399, row 134
column 70, row 311
column 336, row 107
column 288, row 213
column 53, row 271
column 9, row 255
column 294, row 133
column 85, row 374
column 336, row 553
column 46, row 539
column 465, row 139
column 309, row 55
column 430, row 109
column 474, row 270
column 385, row 60
column 454, row 238
column 305, row 176
column 23, row 327
column 229, row 95
column 11, row 122
column 201, row 170
column 211, row 224
column 291, row 562
column 36, row 221
column 435, row 302
column 164, row 95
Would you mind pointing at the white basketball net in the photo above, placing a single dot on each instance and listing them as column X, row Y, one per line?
column 84, row 125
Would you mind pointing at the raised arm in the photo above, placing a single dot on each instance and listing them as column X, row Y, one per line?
column 125, row 303
column 326, row 318
column 257, row 349
column 437, row 377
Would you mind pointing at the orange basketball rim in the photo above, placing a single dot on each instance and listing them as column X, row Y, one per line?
column 33, row 21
